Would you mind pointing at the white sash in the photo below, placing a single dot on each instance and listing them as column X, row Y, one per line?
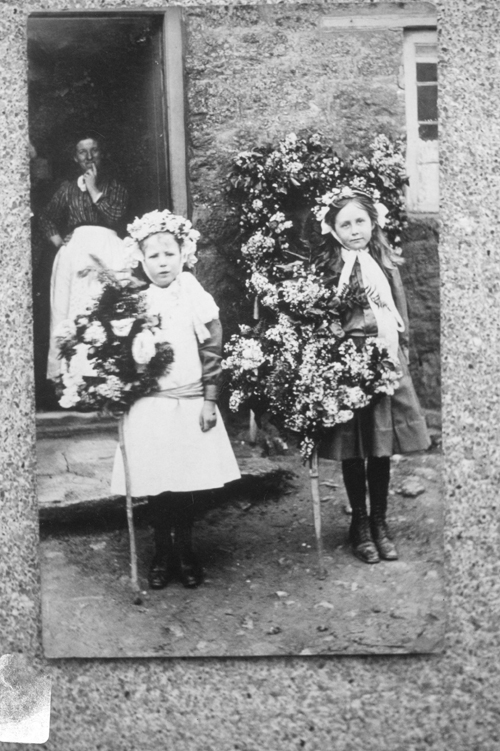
column 377, row 287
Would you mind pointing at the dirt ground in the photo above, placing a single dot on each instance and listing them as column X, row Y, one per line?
column 262, row 594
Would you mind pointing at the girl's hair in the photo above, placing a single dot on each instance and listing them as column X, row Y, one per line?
column 329, row 258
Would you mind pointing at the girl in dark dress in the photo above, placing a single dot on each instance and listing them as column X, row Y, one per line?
column 360, row 257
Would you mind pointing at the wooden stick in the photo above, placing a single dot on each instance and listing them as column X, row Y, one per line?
column 314, row 475
column 130, row 514
column 252, row 428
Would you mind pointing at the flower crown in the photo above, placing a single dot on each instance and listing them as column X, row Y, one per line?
column 162, row 221
column 345, row 191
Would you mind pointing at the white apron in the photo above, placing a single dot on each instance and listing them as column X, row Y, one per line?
column 71, row 293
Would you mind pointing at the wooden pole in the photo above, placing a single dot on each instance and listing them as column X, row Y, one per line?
column 314, row 475
column 130, row 514
column 252, row 427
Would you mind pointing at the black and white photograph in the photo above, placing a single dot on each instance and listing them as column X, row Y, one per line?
column 236, row 304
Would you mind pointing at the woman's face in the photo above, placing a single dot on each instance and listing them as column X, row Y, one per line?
column 353, row 226
column 162, row 258
column 87, row 153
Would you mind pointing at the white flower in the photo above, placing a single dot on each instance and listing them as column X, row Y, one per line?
column 95, row 334
column 235, row 400
column 122, row 326
column 143, row 347
column 344, row 415
column 251, row 355
column 65, row 330
column 112, row 389
column 69, row 398
column 79, row 365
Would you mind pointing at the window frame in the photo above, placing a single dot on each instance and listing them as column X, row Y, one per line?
column 413, row 37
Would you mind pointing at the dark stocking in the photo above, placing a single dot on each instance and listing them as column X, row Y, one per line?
column 190, row 571
column 353, row 471
column 379, row 473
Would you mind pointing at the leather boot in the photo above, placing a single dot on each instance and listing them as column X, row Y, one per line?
column 360, row 537
column 162, row 566
column 378, row 473
column 189, row 567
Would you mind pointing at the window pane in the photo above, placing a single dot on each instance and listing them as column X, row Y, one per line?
column 426, row 51
column 427, row 103
column 428, row 132
column 426, row 72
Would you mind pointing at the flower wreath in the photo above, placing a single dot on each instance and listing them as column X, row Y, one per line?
column 162, row 221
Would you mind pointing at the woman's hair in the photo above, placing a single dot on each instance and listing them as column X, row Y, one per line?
column 330, row 256
column 88, row 133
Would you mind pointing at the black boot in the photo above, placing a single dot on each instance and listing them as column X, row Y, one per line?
column 379, row 473
column 162, row 565
column 360, row 537
column 188, row 565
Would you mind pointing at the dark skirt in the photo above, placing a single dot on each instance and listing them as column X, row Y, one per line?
column 389, row 425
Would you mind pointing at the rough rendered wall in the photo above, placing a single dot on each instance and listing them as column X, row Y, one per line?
column 349, row 704
column 256, row 73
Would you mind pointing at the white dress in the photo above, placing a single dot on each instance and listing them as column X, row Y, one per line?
column 166, row 448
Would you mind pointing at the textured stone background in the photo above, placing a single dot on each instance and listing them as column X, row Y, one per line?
column 391, row 704
column 258, row 72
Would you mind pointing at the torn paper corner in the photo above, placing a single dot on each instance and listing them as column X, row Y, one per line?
column 24, row 701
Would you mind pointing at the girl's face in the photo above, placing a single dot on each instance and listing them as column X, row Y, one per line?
column 162, row 258
column 353, row 226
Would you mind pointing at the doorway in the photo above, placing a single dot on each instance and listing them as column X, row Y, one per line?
column 103, row 72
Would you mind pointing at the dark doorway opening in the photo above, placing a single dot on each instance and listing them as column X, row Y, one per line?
column 104, row 72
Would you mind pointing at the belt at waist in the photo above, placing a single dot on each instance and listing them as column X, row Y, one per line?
column 189, row 391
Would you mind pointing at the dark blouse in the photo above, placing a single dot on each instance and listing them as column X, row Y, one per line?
column 71, row 207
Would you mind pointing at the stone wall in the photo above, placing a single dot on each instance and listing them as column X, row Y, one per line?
column 256, row 73
column 381, row 703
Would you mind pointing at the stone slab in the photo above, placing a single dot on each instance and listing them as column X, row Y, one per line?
column 77, row 469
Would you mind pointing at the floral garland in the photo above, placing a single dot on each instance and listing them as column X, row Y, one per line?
column 295, row 362
column 114, row 351
column 162, row 221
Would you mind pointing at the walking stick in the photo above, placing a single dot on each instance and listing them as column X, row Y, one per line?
column 130, row 514
column 314, row 475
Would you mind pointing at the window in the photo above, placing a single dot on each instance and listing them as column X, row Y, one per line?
column 421, row 87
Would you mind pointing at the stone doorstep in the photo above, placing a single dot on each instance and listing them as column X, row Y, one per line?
column 67, row 423
column 76, row 471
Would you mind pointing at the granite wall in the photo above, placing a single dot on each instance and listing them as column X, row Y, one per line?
column 255, row 74
column 348, row 704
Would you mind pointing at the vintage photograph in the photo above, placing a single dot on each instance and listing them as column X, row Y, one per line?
column 235, row 214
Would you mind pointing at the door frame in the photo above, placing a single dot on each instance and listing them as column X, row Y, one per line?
column 174, row 93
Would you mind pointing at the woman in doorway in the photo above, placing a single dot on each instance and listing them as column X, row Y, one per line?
column 81, row 221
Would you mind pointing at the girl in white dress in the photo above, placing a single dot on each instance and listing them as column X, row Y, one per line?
column 175, row 439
